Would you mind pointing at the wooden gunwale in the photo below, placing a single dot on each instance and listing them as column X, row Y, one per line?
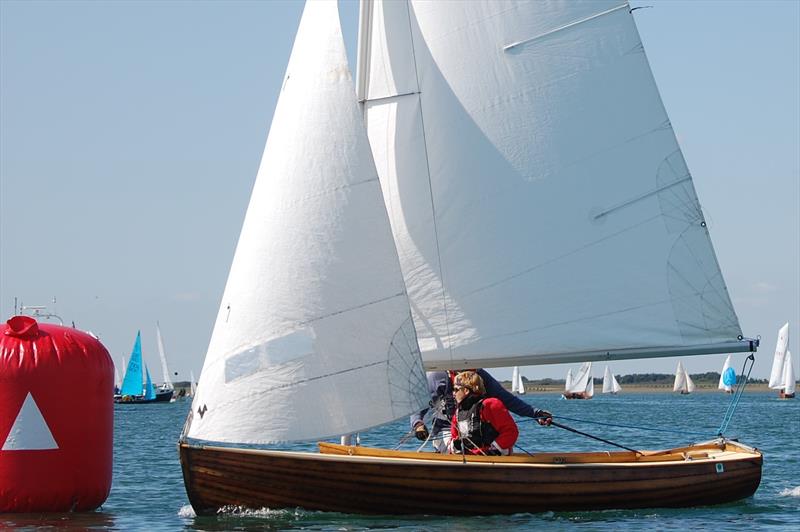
column 217, row 477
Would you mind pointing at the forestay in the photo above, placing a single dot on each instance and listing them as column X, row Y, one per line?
column 540, row 203
column 314, row 336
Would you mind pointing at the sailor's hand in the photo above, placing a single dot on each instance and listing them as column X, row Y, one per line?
column 421, row 431
column 544, row 418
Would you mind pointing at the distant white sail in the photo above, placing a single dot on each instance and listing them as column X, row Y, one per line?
column 515, row 380
column 315, row 316
column 192, row 385
column 683, row 383
column 610, row 384
column 788, row 374
column 776, row 376
column 583, row 379
column 568, row 380
column 163, row 355
column 520, row 384
column 725, row 366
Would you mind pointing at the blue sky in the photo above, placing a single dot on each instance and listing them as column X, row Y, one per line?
column 131, row 133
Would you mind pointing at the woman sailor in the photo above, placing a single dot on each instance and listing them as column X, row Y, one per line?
column 481, row 424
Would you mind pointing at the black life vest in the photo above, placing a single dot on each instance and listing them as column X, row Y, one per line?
column 474, row 433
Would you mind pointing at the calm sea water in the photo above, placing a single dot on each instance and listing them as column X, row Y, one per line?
column 148, row 493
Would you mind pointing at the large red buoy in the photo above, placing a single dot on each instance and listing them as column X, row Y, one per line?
column 56, row 418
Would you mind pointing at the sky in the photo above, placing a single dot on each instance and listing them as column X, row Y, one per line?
column 131, row 133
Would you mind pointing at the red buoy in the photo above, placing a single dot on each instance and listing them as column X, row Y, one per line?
column 56, row 418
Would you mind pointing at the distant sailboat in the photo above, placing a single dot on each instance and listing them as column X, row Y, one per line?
column 167, row 384
column 582, row 387
column 516, row 381
column 610, row 384
column 782, row 376
column 192, row 385
column 683, row 383
column 728, row 375
column 133, row 391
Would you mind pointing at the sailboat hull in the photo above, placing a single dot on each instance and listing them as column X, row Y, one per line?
column 161, row 397
column 375, row 481
column 576, row 395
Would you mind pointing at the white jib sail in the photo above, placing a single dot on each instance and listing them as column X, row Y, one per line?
column 520, row 384
column 725, row 366
column 777, row 373
column 568, row 381
column 314, row 336
column 788, row 374
column 163, row 355
column 582, row 379
column 515, row 379
column 542, row 208
column 689, row 382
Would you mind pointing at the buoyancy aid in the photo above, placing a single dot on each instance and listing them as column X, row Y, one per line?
column 475, row 433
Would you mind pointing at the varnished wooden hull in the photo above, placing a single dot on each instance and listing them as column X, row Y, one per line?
column 373, row 481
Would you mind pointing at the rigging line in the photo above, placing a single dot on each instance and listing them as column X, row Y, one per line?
column 564, row 27
column 430, row 184
column 642, row 196
column 726, row 419
column 619, row 425
column 559, row 425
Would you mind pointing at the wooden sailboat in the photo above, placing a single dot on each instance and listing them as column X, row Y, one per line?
column 582, row 385
column 610, row 384
column 782, row 375
column 683, row 382
column 349, row 276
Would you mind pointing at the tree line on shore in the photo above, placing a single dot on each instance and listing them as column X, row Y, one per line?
column 646, row 379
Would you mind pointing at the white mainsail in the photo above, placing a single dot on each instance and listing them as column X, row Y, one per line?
column 568, row 381
column 541, row 206
column 776, row 376
column 788, row 374
column 610, row 384
column 583, row 382
column 725, row 366
column 520, row 384
column 192, row 385
column 515, row 380
column 163, row 356
column 314, row 336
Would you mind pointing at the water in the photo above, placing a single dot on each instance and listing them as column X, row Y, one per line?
column 148, row 493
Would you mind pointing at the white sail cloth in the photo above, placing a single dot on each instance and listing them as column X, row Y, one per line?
column 541, row 206
column 583, row 381
column 725, row 366
column 610, row 384
column 683, row 382
column 776, row 376
column 163, row 356
column 313, row 337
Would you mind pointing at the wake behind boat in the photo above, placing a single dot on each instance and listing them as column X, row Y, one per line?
column 530, row 206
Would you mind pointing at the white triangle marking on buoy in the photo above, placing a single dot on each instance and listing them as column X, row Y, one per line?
column 30, row 431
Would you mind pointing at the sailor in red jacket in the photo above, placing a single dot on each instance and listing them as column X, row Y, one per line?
column 481, row 424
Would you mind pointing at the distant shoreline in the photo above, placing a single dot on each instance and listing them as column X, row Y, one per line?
column 667, row 388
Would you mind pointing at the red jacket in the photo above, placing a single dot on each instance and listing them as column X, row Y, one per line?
column 496, row 414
